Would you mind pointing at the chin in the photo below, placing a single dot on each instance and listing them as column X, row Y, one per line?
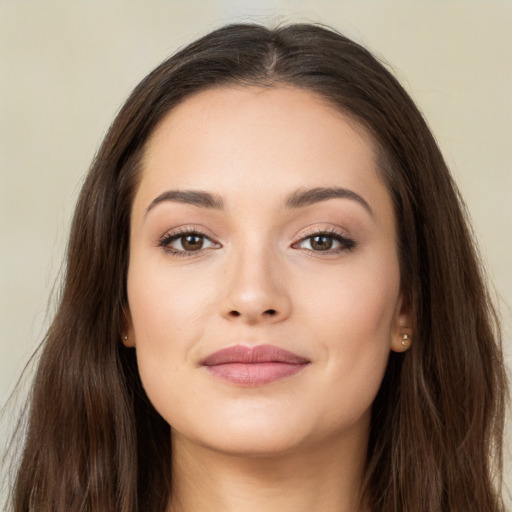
column 273, row 436
column 247, row 435
column 253, row 444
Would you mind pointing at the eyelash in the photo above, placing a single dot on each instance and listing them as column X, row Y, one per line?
column 347, row 244
column 168, row 238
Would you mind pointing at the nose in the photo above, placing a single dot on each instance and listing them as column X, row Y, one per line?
column 255, row 289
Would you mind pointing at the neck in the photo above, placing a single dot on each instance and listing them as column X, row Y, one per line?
column 324, row 478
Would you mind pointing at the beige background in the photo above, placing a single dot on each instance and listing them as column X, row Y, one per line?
column 67, row 66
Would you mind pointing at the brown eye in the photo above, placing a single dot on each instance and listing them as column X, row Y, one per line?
column 192, row 242
column 184, row 243
column 329, row 242
column 321, row 243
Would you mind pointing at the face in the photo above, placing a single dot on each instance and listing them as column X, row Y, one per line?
column 263, row 283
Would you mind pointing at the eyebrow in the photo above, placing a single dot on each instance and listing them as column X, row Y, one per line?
column 193, row 197
column 298, row 199
column 302, row 198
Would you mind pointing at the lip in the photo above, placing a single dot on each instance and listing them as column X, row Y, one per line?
column 254, row 366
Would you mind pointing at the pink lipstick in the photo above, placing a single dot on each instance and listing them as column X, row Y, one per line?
column 254, row 366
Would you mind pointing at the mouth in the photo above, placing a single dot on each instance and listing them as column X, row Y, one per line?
column 254, row 366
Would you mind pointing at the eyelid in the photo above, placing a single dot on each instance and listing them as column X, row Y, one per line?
column 316, row 230
column 347, row 243
column 186, row 229
column 178, row 232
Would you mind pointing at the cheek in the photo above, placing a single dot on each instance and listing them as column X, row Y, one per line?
column 357, row 305
column 353, row 318
column 164, row 306
column 168, row 318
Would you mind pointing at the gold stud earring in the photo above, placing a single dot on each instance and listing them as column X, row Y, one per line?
column 405, row 339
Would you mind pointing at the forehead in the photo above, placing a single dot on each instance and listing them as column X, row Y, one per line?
column 234, row 110
column 261, row 141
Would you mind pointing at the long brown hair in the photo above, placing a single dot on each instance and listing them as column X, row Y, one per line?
column 94, row 442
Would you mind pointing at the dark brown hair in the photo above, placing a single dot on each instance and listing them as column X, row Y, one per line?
column 94, row 442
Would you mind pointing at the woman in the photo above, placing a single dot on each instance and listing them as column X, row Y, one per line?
column 272, row 300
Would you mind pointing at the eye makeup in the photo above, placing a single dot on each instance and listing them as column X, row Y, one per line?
column 186, row 241
column 325, row 241
column 191, row 241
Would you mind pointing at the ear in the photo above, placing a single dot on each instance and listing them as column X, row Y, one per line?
column 401, row 333
column 127, row 334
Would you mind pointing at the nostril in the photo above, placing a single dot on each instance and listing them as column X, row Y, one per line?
column 267, row 313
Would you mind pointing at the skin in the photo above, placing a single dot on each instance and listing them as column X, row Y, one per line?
column 260, row 278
